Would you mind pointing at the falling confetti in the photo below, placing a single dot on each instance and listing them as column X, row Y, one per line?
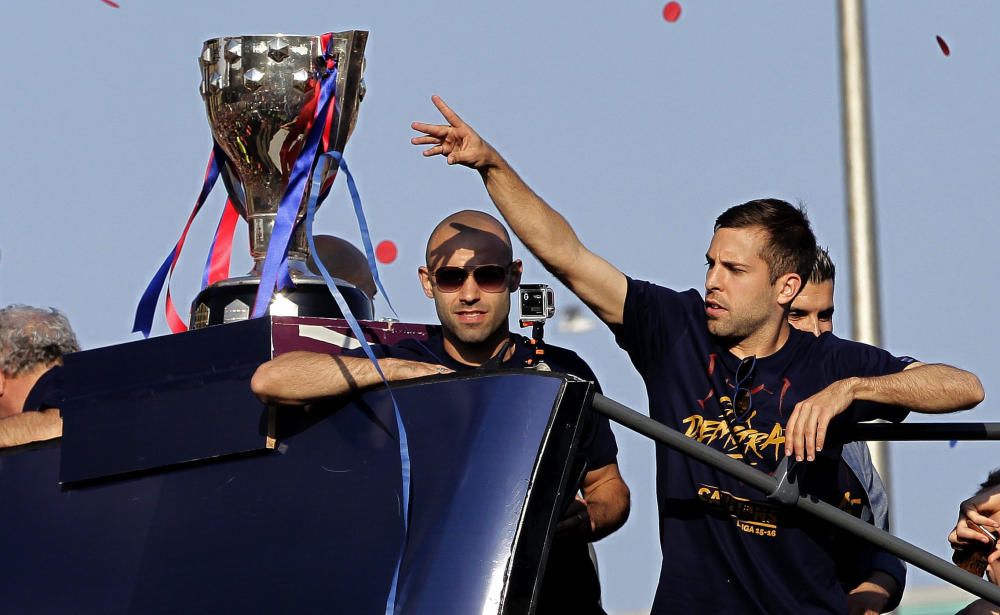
column 672, row 11
column 944, row 46
column 386, row 252
column 111, row 3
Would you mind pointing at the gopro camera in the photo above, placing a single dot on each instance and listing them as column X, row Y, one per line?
column 538, row 302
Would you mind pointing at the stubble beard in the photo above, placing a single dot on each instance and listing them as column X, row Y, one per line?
column 471, row 336
column 736, row 327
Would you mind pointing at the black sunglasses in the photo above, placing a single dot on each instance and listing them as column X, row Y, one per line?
column 489, row 278
column 743, row 397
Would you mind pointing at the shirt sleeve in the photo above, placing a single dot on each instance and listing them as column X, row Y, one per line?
column 599, row 446
column 857, row 359
column 47, row 392
column 653, row 317
column 602, row 449
column 866, row 560
column 895, row 568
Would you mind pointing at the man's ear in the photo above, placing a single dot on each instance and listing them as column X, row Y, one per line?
column 516, row 269
column 425, row 281
column 788, row 287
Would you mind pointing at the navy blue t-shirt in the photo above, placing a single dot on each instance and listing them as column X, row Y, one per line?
column 570, row 584
column 725, row 547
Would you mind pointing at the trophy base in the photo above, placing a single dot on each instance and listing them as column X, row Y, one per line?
column 232, row 300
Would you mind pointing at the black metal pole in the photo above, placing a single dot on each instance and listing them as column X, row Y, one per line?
column 925, row 431
column 933, row 564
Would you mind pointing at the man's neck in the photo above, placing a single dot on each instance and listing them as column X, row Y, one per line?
column 477, row 354
column 764, row 342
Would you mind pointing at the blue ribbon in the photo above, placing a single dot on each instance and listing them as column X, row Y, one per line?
column 275, row 264
column 147, row 304
column 146, row 309
column 404, row 448
column 359, row 213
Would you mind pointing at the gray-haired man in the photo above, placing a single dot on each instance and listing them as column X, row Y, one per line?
column 32, row 341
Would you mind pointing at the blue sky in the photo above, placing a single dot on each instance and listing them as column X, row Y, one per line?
column 638, row 130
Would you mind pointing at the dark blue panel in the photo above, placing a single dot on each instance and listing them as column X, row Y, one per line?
column 313, row 526
column 68, row 551
column 472, row 461
column 162, row 401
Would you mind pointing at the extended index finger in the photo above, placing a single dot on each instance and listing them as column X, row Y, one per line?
column 447, row 111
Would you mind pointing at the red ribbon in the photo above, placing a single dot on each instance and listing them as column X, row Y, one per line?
column 174, row 321
column 222, row 247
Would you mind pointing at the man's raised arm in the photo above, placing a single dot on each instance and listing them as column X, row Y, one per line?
column 542, row 229
column 297, row 378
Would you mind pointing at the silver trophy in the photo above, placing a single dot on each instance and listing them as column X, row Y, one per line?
column 257, row 92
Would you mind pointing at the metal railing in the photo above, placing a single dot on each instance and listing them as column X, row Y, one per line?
column 926, row 432
column 782, row 487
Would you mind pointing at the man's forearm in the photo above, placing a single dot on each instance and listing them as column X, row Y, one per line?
column 298, row 378
column 30, row 427
column 608, row 501
column 928, row 388
column 552, row 240
column 608, row 514
column 542, row 229
column 876, row 595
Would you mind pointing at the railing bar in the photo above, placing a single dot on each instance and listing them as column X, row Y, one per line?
column 659, row 432
column 925, row 432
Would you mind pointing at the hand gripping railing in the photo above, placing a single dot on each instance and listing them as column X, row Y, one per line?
column 782, row 489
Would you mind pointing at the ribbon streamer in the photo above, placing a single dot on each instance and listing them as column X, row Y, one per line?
column 359, row 213
column 275, row 264
column 352, row 321
column 147, row 303
column 221, row 252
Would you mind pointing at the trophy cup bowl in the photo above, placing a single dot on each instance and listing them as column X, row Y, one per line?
column 257, row 92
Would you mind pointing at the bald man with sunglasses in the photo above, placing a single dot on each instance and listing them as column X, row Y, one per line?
column 470, row 274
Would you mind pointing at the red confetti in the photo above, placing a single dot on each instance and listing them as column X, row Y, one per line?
column 386, row 252
column 944, row 46
column 110, row 3
column 672, row 11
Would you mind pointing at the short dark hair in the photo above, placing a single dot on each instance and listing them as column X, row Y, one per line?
column 823, row 268
column 791, row 245
column 991, row 481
